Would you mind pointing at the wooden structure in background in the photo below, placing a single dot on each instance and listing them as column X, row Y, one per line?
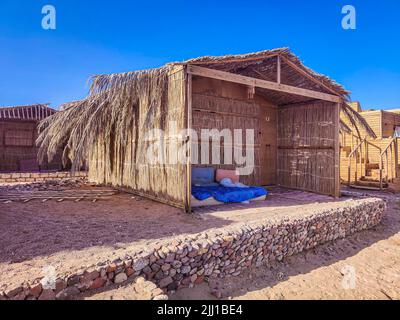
column 293, row 111
column 368, row 162
column 18, row 133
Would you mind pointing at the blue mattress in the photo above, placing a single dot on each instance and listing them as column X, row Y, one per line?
column 227, row 195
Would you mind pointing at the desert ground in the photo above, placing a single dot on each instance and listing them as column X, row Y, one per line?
column 72, row 235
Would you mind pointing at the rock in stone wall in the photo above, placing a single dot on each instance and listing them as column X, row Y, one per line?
column 218, row 253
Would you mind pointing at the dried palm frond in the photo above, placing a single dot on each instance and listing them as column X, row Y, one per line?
column 344, row 127
column 107, row 113
column 357, row 121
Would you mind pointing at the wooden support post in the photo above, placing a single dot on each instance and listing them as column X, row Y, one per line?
column 391, row 162
column 278, row 69
column 396, row 158
column 189, row 106
column 387, row 167
column 349, row 172
column 356, row 167
column 336, row 120
column 365, row 157
column 380, row 172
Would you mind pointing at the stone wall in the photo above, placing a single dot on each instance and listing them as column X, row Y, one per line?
column 38, row 176
column 221, row 252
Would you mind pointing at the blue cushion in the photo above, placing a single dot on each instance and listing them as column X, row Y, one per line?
column 203, row 176
column 228, row 194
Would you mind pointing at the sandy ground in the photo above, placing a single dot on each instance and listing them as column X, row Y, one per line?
column 72, row 235
column 129, row 290
column 326, row 272
column 126, row 292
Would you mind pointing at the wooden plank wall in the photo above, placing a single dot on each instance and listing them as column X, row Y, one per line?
column 306, row 147
column 389, row 121
column 383, row 123
column 17, row 147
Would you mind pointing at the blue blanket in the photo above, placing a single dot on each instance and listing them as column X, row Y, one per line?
column 228, row 195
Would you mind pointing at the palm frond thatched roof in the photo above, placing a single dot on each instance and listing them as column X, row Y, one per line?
column 27, row 112
column 108, row 112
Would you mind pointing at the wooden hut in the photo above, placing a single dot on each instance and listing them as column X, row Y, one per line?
column 293, row 111
column 18, row 132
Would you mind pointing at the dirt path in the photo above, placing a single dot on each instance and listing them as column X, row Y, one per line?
column 325, row 272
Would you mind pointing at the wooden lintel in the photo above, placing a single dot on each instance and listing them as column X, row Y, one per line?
column 236, row 78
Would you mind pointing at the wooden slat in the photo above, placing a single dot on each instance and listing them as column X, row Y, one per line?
column 231, row 77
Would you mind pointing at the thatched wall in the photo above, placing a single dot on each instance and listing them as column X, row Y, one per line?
column 306, row 147
column 128, row 167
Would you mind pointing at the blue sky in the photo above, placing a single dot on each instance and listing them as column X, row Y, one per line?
column 94, row 37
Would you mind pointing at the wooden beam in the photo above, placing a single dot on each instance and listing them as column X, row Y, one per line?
column 236, row 78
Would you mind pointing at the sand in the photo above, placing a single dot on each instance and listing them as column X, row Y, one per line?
column 70, row 236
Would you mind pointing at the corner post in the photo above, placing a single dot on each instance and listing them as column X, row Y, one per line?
column 188, row 77
column 337, row 148
column 278, row 70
